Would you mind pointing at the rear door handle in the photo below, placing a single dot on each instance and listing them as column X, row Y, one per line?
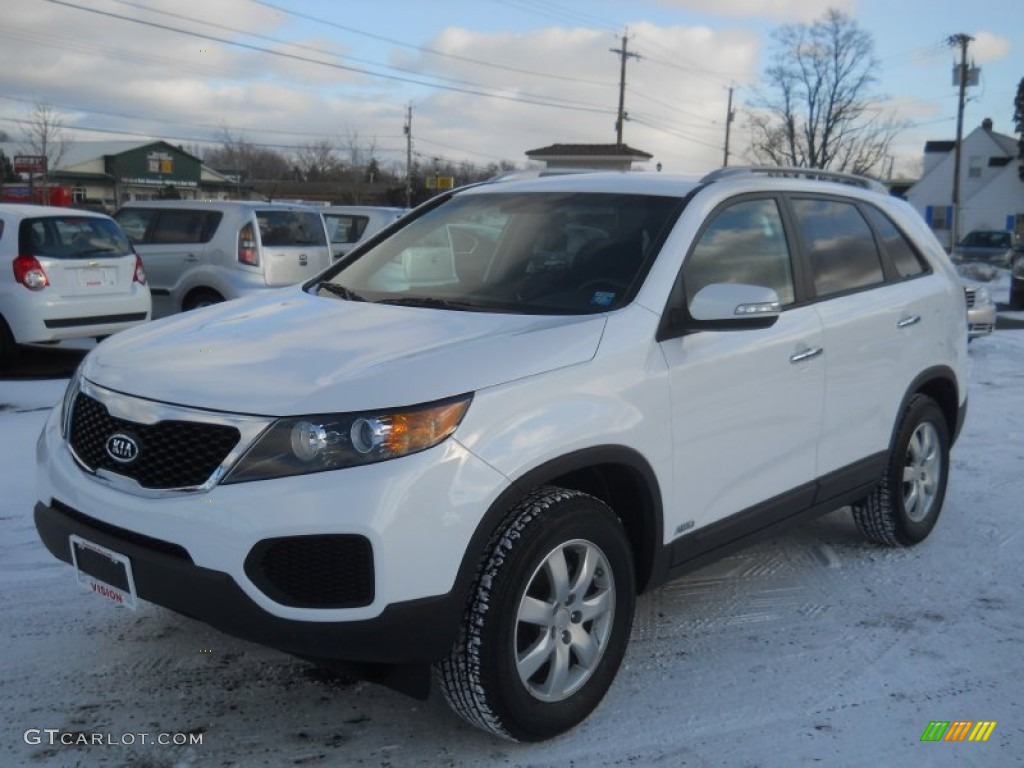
column 806, row 354
column 906, row 322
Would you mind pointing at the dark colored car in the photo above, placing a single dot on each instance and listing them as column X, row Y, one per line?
column 984, row 245
column 1016, row 259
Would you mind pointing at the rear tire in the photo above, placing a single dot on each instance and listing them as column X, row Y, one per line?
column 548, row 619
column 904, row 507
column 200, row 299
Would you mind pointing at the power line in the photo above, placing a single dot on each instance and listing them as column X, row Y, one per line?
column 144, row 136
column 561, row 13
column 157, row 118
column 536, row 101
column 425, row 49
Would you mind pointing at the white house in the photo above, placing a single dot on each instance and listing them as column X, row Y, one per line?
column 991, row 189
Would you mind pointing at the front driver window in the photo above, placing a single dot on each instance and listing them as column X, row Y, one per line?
column 744, row 243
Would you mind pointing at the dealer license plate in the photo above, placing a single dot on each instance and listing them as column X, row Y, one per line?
column 103, row 572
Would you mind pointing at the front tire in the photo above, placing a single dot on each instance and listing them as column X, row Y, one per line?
column 548, row 619
column 904, row 507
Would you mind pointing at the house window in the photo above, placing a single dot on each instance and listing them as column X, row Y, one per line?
column 974, row 166
column 939, row 217
column 78, row 195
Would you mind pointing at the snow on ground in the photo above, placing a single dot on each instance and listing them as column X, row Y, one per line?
column 812, row 648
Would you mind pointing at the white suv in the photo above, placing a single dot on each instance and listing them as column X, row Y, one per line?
column 467, row 449
column 65, row 274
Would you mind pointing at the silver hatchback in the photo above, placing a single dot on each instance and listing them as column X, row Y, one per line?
column 199, row 253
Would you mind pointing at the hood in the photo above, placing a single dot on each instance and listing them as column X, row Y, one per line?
column 290, row 353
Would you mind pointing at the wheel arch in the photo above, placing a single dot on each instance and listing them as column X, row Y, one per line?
column 619, row 476
column 940, row 384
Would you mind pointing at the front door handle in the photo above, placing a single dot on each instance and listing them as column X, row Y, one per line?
column 806, row 354
column 191, row 257
column 906, row 322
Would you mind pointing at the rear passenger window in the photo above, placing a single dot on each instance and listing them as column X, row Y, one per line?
column 744, row 243
column 902, row 254
column 181, row 227
column 841, row 248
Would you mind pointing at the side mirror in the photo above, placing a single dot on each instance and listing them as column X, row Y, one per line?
column 732, row 307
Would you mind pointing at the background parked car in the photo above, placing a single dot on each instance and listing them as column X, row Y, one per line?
column 65, row 274
column 1016, row 260
column 981, row 311
column 349, row 225
column 199, row 253
column 984, row 245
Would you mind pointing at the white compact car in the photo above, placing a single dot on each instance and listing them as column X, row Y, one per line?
column 458, row 455
column 65, row 274
column 203, row 252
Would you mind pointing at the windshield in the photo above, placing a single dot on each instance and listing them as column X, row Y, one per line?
column 72, row 237
column 537, row 253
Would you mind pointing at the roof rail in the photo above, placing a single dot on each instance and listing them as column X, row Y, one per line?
column 793, row 172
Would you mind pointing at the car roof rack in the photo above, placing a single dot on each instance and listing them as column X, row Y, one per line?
column 793, row 172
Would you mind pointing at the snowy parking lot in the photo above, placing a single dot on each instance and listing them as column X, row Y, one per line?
column 814, row 647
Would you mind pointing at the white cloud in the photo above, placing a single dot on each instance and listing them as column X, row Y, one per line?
column 988, row 46
column 782, row 10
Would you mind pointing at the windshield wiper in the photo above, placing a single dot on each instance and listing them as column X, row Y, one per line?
column 340, row 291
column 430, row 301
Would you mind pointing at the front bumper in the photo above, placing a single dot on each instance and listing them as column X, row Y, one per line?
column 192, row 552
column 403, row 633
column 981, row 320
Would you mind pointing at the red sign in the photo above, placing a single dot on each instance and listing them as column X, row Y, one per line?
column 30, row 163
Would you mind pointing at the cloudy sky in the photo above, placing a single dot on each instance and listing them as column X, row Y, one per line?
column 487, row 79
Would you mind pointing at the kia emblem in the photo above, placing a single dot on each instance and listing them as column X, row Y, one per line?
column 122, row 448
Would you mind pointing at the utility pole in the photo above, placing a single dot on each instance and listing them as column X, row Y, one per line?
column 624, row 54
column 961, row 40
column 729, row 115
column 409, row 156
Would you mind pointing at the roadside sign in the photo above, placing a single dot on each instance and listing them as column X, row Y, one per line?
column 29, row 163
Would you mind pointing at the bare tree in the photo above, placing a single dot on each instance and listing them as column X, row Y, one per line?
column 248, row 161
column 317, row 160
column 44, row 135
column 816, row 108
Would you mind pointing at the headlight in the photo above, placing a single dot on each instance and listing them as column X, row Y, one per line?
column 68, row 401
column 982, row 296
column 321, row 442
column 1017, row 270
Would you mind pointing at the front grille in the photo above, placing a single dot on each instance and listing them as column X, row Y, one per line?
column 969, row 293
column 123, row 534
column 324, row 571
column 171, row 454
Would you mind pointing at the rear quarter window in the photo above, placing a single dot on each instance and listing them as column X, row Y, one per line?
column 345, row 228
column 905, row 258
column 287, row 228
